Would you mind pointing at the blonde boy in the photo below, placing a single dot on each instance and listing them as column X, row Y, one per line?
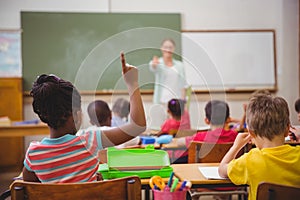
column 272, row 161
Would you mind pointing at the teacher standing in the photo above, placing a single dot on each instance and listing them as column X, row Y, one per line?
column 169, row 74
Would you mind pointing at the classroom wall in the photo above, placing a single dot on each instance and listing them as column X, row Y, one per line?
column 281, row 15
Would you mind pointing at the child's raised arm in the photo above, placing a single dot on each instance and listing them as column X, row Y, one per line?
column 240, row 141
column 137, row 123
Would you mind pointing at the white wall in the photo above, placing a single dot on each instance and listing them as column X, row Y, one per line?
column 281, row 15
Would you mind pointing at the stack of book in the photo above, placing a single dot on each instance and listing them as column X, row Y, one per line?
column 5, row 121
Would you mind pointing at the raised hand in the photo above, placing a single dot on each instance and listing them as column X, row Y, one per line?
column 130, row 73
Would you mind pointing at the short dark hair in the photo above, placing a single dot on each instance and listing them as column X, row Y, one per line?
column 99, row 112
column 122, row 107
column 217, row 112
column 297, row 105
column 54, row 100
column 176, row 107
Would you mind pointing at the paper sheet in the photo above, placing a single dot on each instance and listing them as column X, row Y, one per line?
column 210, row 172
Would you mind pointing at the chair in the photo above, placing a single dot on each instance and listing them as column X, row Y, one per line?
column 178, row 153
column 201, row 152
column 271, row 191
column 121, row 188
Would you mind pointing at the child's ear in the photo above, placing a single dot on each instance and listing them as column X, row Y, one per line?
column 252, row 133
column 206, row 120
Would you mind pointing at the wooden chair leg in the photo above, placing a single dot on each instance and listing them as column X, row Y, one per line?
column 131, row 191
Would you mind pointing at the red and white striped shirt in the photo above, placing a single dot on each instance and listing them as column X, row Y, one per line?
column 67, row 159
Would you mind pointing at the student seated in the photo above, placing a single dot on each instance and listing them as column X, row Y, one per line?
column 120, row 112
column 272, row 161
column 178, row 118
column 217, row 117
column 65, row 157
column 100, row 116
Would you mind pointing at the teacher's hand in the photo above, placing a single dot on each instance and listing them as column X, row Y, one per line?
column 155, row 61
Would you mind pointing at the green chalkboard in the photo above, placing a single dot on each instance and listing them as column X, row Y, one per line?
column 84, row 48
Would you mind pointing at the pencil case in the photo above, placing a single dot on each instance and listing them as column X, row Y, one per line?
column 144, row 163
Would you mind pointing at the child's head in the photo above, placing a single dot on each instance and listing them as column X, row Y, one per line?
column 267, row 116
column 55, row 101
column 260, row 92
column 176, row 107
column 99, row 113
column 121, row 108
column 216, row 112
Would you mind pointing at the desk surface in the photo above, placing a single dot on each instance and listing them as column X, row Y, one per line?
column 24, row 130
column 191, row 172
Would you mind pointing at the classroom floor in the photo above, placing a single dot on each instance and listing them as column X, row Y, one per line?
column 6, row 180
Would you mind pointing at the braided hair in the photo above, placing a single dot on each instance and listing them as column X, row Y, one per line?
column 54, row 99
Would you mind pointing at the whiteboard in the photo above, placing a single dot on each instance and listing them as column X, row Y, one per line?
column 229, row 60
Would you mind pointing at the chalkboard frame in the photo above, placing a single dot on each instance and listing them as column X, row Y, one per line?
column 272, row 88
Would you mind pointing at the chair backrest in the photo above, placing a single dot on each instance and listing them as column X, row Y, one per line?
column 202, row 152
column 199, row 152
column 121, row 188
column 271, row 191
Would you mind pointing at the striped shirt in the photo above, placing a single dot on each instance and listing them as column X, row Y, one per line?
column 67, row 159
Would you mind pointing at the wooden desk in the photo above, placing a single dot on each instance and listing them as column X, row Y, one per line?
column 13, row 159
column 24, row 130
column 191, row 172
